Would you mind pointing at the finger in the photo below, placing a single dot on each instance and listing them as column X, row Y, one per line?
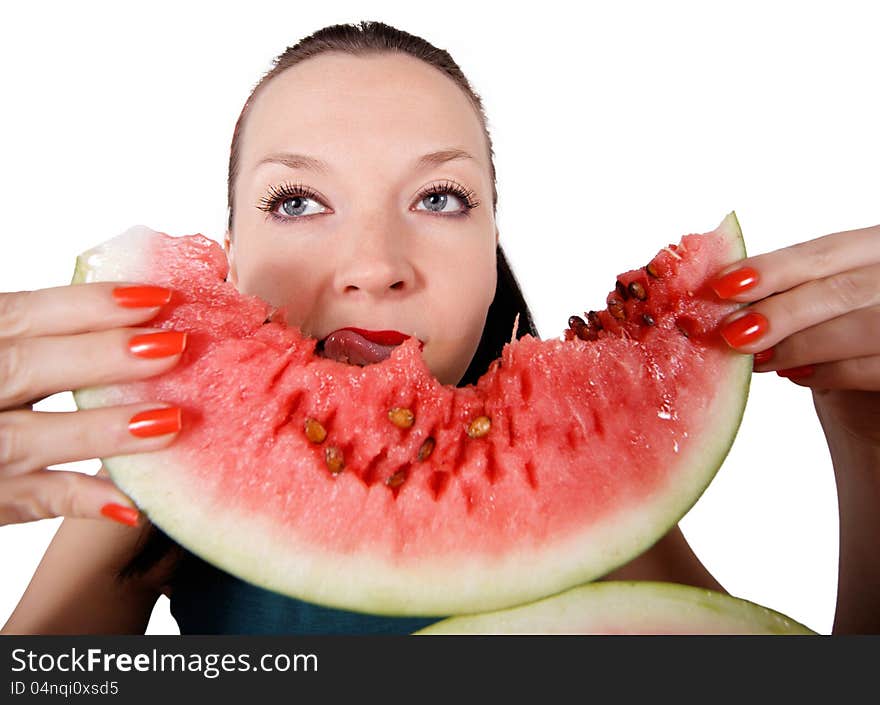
column 765, row 323
column 755, row 278
column 77, row 308
column 37, row 367
column 33, row 440
column 857, row 373
column 53, row 493
column 855, row 334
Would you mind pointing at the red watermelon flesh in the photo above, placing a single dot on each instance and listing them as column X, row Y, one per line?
column 378, row 489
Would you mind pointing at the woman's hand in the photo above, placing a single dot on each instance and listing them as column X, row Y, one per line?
column 815, row 319
column 67, row 338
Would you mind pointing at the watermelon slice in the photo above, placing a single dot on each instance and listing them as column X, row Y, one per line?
column 375, row 488
column 627, row 607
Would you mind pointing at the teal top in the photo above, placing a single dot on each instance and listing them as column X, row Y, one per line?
column 208, row 600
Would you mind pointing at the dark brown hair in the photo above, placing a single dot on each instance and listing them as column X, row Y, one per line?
column 365, row 39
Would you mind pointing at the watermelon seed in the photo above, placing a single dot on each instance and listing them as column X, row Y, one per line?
column 586, row 333
column 315, row 432
column 396, row 480
column 615, row 308
column 683, row 331
column 402, row 418
column 621, row 289
column 581, row 329
column 594, row 320
column 648, row 318
column 426, row 449
column 649, row 268
column 638, row 291
column 479, row 427
column 334, row 460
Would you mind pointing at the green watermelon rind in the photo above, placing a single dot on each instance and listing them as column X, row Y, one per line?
column 460, row 584
column 628, row 607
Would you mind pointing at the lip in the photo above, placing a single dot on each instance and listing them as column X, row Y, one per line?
column 382, row 337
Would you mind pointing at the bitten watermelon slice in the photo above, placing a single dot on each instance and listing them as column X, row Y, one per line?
column 378, row 489
column 628, row 607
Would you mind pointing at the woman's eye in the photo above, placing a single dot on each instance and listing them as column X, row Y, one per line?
column 437, row 202
column 296, row 206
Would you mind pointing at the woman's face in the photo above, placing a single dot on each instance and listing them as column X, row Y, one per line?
column 367, row 248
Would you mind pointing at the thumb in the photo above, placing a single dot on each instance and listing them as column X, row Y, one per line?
column 45, row 494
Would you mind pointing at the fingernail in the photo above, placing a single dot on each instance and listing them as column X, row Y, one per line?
column 791, row 372
column 155, row 422
column 735, row 282
column 746, row 329
column 141, row 296
column 163, row 344
column 763, row 356
column 122, row 514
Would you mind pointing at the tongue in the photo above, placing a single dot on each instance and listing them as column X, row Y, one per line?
column 355, row 349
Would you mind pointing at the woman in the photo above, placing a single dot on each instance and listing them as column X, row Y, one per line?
column 360, row 178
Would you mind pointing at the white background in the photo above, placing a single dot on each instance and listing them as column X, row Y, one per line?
column 616, row 128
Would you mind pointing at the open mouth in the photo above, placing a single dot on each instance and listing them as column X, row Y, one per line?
column 356, row 346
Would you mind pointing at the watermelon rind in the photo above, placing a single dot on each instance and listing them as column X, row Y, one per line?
column 249, row 546
column 628, row 607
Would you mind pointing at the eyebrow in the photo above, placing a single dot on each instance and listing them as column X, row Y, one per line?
column 304, row 161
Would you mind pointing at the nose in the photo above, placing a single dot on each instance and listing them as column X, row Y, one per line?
column 375, row 258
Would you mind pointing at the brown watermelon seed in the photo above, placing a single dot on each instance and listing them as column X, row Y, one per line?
column 683, row 331
column 426, row 449
column 638, row 291
column 402, row 418
column 581, row 329
column 479, row 427
column 615, row 308
column 314, row 430
column 621, row 289
column 649, row 268
column 334, row 460
column 594, row 320
column 587, row 333
column 396, row 480
column 648, row 318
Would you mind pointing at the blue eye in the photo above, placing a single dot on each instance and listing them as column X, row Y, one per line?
column 291, row 198
column 465, row 196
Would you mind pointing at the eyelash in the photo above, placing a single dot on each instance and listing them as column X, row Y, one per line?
column 278, row 195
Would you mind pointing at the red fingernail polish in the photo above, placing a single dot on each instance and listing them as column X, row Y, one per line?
column 763, row 356
column 141, row 296
column 735, row 282
column 162, row 344
column 792, row 372
column 155, row 422
column 746, row 329
column 122, row 514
